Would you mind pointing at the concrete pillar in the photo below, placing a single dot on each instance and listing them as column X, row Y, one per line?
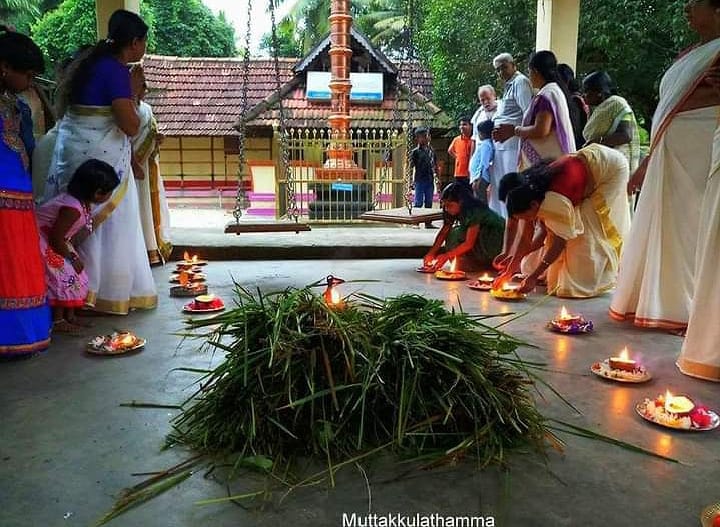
column 105, row 8
column 557, row 28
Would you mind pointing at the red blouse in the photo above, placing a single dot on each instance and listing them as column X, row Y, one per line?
column 571, row 179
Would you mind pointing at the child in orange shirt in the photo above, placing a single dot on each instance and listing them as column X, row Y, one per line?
column 462, row 149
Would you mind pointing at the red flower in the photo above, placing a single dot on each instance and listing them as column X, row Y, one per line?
column 700, row 417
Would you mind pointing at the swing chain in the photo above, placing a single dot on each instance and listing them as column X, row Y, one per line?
column 409, row 109
column 241, row 198
column 292, row 209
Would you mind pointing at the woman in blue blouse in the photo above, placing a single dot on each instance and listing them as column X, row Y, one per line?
column 97, row 102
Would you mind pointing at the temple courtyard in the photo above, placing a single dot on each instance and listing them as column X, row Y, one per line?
column 68, row 448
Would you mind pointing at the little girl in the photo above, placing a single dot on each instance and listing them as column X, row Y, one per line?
column 64, row 222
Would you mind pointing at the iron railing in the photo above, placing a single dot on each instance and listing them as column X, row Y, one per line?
column 324, row 198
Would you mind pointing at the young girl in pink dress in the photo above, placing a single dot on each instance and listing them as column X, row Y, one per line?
column 64, row 222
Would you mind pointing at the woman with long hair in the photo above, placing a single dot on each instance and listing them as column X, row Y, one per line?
column 98, row 103
column 24, row 311
column 471, row 231
column 580, row 202
column 546, row 131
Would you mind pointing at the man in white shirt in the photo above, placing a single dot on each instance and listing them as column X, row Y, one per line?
column 486, row 111
column 515, row 102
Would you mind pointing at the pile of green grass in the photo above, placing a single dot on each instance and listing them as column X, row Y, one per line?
column 302, row 378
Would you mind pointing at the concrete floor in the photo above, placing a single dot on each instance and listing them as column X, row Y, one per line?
column 67, row 448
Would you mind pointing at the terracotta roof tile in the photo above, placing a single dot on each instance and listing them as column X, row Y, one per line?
column 203, row 96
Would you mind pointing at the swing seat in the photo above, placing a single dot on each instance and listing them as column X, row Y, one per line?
column 250, row 228
column 402, row 216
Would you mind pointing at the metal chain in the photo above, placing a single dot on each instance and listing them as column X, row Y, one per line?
column 292, row 208
column 409, row 136
column 241, row 198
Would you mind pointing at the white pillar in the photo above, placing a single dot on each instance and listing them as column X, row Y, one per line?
column 105, row 8
column 557, row 28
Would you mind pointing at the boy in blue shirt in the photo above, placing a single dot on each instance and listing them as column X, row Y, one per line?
column 482, row 160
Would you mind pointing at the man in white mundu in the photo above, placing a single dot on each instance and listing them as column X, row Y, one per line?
column 656, row 286
column 515, row 102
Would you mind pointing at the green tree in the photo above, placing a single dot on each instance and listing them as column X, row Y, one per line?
column 633, row 41
column 13, row 8
column 459, row 38
column 189, row 29
column 289, row 45
column 177, row 27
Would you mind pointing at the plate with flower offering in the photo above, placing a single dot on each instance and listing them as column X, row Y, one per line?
column 483, row 283
column 637, row 375
column 570, row 324
column 688, row 417
column 117, row 343
column 710, row 516
column 442, row 274
column 204, row 304
column 189, row 290
column 509, row 293
column 192, row 277
column 187, row 269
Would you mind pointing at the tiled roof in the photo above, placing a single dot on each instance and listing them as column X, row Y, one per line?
column 202, row 96
column 301, row 113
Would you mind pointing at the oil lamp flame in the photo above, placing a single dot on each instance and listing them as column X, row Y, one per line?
column 184, row 279
column 332, row 295
column 485, row 278
column 677, row 404
column 564, row 315
column 189, row 259
column 453, row 265
column 623, row 361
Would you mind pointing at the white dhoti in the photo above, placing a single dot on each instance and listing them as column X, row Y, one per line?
column 700, row 355
column 504, row 162
column 655, row 285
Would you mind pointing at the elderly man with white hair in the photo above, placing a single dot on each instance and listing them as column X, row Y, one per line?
column 515, row 101
column 485, row 112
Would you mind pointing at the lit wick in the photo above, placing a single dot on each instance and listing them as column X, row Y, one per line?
column 623, row 362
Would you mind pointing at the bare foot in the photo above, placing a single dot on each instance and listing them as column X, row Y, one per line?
column 63, row 326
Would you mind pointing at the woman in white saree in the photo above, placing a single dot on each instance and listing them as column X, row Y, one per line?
column 656, row 285
column 154, row 212
column 98, row 120
column 580, row 202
